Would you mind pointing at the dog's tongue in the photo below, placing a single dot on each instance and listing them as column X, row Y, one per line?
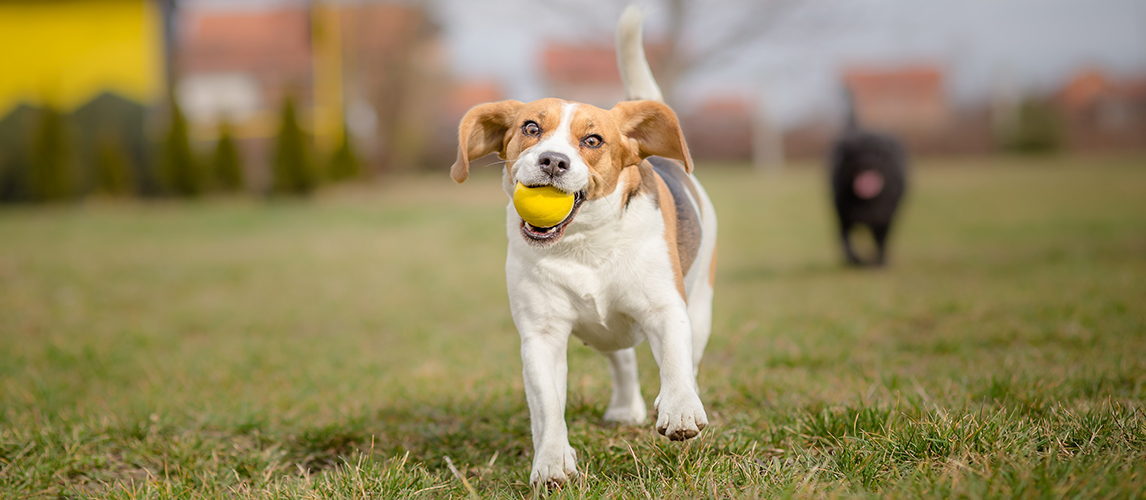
column 868, row 184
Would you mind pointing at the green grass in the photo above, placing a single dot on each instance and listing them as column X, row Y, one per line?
column 343, row 348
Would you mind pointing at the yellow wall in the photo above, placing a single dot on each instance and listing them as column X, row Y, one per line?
column 67, row 52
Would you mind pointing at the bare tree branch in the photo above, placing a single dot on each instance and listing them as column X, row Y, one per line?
column 754, row 25
column 692, row 46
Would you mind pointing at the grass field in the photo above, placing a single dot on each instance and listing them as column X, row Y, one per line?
column 344, row 347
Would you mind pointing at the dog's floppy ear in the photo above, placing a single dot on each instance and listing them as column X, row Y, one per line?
column 655, row 129
column 483, row 131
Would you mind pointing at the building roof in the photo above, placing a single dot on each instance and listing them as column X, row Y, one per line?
column 272, row 41
column 580, row 64
column 908, row 82
column 1087, row 86
column 907, row 100
column 466, row 95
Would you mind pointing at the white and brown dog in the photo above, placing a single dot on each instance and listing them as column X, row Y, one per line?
column 633, row 260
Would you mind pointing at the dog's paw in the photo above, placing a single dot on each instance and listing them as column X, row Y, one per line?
column 633, row 413
column 680, row 418
column 554, row 467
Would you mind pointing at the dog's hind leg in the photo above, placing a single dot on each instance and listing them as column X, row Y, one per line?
column 846, row 241
column 879, row 232
column 700, row 318
column 626, row 405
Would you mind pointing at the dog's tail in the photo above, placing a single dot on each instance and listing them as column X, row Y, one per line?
column 635, row 72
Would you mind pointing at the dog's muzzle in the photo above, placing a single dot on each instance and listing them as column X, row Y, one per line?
column 545, row 236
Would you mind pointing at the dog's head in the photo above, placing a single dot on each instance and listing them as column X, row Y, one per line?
column 577, row 148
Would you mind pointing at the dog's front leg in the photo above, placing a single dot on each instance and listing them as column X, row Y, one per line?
column 544, row 363
column 680, row 414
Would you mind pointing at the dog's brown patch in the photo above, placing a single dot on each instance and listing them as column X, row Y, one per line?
column 712, row 268
column 639, row 180
column 686, row 214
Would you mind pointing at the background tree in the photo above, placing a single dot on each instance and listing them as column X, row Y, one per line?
column 16, row 132
column 12, row 183
column 227, row 164
column 52, row 173
column 1038, row 129
column 118, row 124
column 113, row 171
column 344, row 163
column 292, row 168
column 178, row 162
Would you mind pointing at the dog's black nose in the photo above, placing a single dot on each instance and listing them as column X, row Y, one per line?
column 554, row 164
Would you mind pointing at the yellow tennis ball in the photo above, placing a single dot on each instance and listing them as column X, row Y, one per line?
column 544, row 206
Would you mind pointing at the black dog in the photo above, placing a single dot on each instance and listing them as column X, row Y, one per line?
column 869, row 175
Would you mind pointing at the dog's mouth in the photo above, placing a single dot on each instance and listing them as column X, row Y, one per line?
column 544, row 236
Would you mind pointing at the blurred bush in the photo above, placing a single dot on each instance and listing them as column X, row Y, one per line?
column 227, row 165
column 110, row 125
column 292, row 169
column 49, row 156
column 15, row 142
column 113, row 172
column 1038, row 128
column 344, row 163
column 52, row 174
column 180, row 168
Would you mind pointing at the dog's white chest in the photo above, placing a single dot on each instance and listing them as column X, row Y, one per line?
column 601, row 325
column 592, row 297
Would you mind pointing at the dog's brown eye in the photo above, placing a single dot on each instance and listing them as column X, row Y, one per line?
column 593, row 141
column 531, row 129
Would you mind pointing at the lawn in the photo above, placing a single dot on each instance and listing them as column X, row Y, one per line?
column 344, row 347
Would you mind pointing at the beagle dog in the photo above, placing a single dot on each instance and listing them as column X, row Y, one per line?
column 634, row 260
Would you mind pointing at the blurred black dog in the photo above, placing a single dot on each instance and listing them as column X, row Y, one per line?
column 869, row 176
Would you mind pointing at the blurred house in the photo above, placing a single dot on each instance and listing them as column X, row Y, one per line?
column 905, row 101
column 720, row 128
column 582, row 73
column 466, row 95
column 377, row 71
column 66, row 52
column 908, row 102
column 911, row 103
column 239, row 65
column 1102, row 113
column 376, row 68
column 395, row 71
column 98, row 62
